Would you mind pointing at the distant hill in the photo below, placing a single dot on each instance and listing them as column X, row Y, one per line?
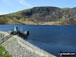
column 41, row 16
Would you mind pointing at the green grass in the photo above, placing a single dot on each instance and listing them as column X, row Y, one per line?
column 3, row 20
column 3, row 52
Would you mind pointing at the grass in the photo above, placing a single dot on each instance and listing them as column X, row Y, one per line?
column 3, row 20
column 3, row 52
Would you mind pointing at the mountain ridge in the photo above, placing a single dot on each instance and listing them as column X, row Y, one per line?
column 41, row 16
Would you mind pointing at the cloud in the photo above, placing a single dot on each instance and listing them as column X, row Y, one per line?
column 25, row 3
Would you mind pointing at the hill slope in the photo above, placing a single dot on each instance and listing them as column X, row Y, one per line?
column 42, row 16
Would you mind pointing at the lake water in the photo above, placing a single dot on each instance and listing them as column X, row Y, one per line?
column 49, row 38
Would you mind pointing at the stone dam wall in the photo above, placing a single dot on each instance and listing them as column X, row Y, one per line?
column 4, row 36
column 19, row 47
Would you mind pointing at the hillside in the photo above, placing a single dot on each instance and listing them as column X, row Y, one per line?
column 41, row 16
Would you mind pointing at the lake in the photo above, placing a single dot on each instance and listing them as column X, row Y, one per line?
column 50, row 38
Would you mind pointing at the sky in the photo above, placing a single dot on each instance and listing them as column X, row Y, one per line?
column 10, row 6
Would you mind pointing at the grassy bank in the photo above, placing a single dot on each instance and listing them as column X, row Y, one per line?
column 3, row 52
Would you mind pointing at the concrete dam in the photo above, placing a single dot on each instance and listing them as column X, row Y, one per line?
column 18, row 47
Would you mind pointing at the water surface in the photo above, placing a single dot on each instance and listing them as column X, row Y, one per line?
column 49, row 38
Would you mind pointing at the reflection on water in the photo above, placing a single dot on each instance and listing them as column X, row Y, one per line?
column 49, row 38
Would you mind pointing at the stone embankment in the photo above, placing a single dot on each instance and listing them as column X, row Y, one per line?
column 19, row 47
column 4, row 36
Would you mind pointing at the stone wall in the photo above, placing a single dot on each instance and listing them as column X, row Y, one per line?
column 18, row 47
column 4, row 36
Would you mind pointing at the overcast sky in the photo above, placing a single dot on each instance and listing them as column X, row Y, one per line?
column 9, row 6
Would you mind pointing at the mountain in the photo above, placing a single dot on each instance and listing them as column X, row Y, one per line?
column 41, row 16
